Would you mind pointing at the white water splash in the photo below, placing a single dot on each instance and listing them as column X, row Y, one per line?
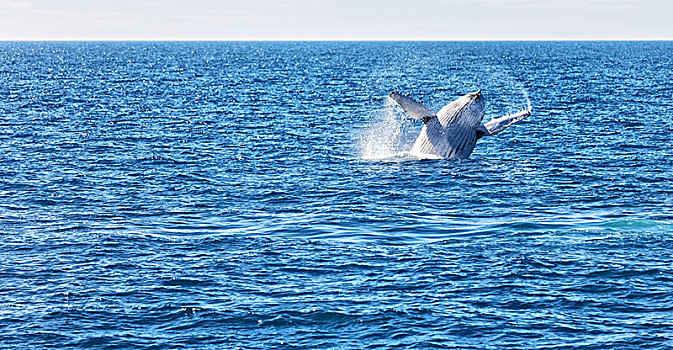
column 502, row 81
column 388, row 135
column 524, row 92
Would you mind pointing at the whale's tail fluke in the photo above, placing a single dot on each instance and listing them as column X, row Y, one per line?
column 496, row 125
column 412, row 107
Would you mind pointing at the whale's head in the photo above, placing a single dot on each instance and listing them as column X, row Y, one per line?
column 475, row 103
column 476, row 95
column 468, row 109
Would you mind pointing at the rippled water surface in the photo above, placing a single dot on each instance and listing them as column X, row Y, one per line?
column 260, row 195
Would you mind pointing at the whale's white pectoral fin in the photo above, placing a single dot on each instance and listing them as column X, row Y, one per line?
column 496, row 125
column 413, row 108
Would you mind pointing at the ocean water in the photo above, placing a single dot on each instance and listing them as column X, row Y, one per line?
column 247, row 195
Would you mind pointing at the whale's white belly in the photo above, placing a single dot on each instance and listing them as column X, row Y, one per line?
column 454, row 141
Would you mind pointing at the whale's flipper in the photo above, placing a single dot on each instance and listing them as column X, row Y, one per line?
column 412, row 107
column 496, row 125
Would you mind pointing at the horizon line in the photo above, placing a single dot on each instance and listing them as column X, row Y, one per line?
column 322, row 39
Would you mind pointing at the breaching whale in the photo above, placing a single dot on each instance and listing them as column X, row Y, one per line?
column 454, row 130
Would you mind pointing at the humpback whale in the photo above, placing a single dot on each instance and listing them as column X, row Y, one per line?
column 454, row 130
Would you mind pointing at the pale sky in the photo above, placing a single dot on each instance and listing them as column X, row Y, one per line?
column 335, row 19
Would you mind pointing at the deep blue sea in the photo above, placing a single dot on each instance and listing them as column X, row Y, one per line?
column 259, row 195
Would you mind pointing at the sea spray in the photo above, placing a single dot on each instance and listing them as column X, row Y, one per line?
column 389, row 134
column 506, row 86
column 524, row 93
